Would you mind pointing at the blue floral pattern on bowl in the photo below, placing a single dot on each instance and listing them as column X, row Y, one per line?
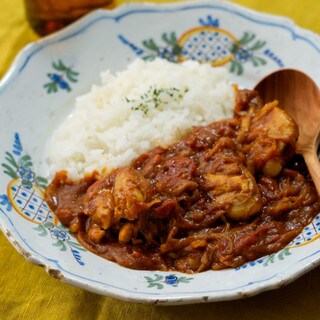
column 61, row 78
column 208, row 43
column 172, row 280
column 25, row 195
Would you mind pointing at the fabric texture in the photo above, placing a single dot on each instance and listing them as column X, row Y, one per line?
column 28, row 292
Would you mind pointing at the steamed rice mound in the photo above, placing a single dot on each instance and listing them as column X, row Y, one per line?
column 148, row 104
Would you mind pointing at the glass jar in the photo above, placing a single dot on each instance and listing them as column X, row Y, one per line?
column 47, row 16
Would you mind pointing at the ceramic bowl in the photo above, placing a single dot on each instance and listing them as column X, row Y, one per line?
column 39, row 91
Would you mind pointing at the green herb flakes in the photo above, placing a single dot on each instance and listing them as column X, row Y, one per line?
column 156, row 98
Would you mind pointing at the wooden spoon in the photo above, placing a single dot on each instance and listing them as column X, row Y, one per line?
column 300, row 97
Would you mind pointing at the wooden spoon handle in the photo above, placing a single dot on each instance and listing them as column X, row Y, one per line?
column 313, row 165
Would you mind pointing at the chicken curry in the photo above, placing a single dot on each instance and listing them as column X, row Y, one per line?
column 224, row 194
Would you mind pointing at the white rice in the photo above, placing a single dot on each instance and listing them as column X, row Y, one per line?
column 148, row 104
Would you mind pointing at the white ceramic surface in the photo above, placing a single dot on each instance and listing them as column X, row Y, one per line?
column 40, row 88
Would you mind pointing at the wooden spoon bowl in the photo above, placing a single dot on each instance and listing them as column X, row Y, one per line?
column 298, row 94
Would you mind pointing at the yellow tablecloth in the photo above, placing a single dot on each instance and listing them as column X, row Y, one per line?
column 27, row 292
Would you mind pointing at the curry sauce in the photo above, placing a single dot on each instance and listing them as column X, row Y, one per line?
column 224, row 194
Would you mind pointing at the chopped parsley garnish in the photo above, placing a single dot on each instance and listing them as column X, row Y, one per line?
column 156, row 98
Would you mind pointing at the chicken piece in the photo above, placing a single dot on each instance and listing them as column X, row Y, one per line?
column 246, row 102
column 65, row 197
column 95, row 233
column 99, row 203
column 236, row 193
column 271, row 140
column 132, row 194
column 127, row 232
column 176, row 176
column 275, row 122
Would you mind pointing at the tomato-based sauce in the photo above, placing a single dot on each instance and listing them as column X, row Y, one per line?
column 224, row 194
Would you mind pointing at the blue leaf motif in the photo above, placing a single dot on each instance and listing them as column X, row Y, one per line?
column 17, row 145
column 77, row 256
column 136, row 49
column 4, row 201
column 210, row 22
